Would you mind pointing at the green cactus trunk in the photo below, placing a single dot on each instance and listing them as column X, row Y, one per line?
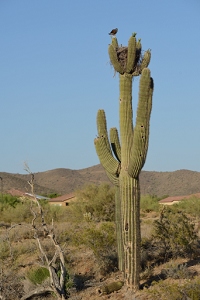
column 129, row 188
column 125, row 115
column 118, row 222
column 123, row 157
column 130, row 205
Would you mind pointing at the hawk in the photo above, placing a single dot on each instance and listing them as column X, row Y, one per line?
column 113, row 32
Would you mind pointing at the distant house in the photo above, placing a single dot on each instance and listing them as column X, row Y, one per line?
column 21, row 194
column 63, row 200
column 176, row 199
column 38, row 197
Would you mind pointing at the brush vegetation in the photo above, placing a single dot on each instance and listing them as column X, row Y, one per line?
column 87, row 234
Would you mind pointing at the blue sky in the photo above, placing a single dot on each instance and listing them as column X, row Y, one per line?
column 55, row 75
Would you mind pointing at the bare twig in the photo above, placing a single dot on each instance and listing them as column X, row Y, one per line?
column 57, row 284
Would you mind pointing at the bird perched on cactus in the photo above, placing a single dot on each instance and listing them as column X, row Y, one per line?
column 113, row 32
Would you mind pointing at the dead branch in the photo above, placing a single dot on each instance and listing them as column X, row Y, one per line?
column 37, row 292
column 56, row 284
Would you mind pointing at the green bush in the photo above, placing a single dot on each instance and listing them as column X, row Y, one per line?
column 7, row 200
column 21, row 212
column 55, row 212
column 97, row 201
column 177, row 271
column 102, row 241
column 175, row 291
column 18, row 214
column 4, row 250
column 38, row 275
column 146, row 253
column 174, row 234
column 149, row 203
column 190, row 206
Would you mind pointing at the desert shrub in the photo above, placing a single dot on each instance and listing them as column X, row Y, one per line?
column 18, row 214
column 102, row 241
column 102, row 237
column 97, row 201
column 177, row 271
column 174, row 234
column 149, row 203
column 146, row 227
column 55, row 212
column 38, row 275
column 146, row 252
column 12, row 245
column 190, row 206
column 11, row 286
column 20, row 233
column 162, row 290
column 27, row 248
column 8, row 200
column 147, row 273
column 4, row 250
column 22, row 212
column 192, row 290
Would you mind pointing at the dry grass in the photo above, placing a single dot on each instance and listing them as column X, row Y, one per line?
column 84, row 268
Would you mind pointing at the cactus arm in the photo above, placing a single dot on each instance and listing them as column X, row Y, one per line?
column 106, row 158
column 113, row 178
column 114, row 42
column 101, row 122
column 131, row 54
column 102, row 127
column 146, row 59
column 141, row 131
column 144, row 63
column 114, row 59
column 149, row 112
column 115, row 143
column 103, row 147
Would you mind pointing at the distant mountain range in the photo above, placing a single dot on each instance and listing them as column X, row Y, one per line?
column 63, row 181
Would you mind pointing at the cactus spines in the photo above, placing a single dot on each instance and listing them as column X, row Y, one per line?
column 124, row 155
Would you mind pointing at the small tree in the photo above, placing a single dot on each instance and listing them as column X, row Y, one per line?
column 98, row 201
column 49, row 275
column 57, row 275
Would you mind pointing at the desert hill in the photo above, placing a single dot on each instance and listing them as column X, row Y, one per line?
column 181, row 182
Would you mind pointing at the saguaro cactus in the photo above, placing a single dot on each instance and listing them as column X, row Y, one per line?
column 124, row 155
